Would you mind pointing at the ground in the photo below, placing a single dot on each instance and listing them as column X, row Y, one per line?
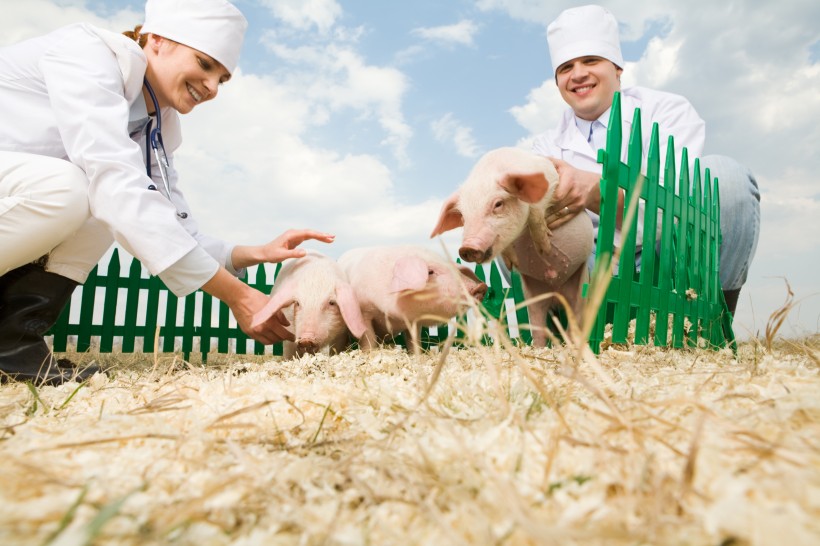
column 637, row 445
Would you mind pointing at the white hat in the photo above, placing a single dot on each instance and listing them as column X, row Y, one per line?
column 214, row 27
column 584, row 31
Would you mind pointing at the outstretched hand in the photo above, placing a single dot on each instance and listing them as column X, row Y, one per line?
column 285, row 246
column 278, row 250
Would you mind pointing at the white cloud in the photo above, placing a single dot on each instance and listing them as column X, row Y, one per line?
column 254, row 174
column 335, row 77
column 461, row 33
column 543, row 109
column 448, row 130
column 657, row 66
column 633, row 15
column 306, row 14
column 32, row 18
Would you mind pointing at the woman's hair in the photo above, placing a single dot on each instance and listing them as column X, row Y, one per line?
column 135, row 35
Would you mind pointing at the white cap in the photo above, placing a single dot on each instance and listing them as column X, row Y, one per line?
column 214, row 27
column 584, row 31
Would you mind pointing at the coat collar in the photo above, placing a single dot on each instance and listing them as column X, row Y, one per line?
column 130, row 58
column 570, row 137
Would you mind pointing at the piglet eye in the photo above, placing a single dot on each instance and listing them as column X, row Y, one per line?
column 430, row 272
column 498, row 204
column 331, row 302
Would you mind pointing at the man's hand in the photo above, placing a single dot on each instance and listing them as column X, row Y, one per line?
column 576, row 191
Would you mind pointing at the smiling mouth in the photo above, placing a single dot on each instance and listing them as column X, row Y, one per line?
column 197, row 97
column 583, row 89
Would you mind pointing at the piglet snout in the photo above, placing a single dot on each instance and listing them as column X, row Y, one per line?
column 473, row 255
column 307, row 345
column 479, row 291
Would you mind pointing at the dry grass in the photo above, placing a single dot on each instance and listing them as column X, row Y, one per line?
column 483, row 445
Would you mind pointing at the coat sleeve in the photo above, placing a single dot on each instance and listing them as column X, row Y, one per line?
column 675, row 116
column 217, row 248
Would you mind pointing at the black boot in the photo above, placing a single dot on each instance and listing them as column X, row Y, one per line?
column 31, row 300
column 731, row 297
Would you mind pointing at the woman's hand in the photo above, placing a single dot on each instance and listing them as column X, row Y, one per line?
column 244, row 301
column 278, row 250
column 576, row 191
column 269, row 332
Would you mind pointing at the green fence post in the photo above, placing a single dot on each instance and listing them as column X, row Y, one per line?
column 188, row 325
column 151, row 314
column 609, row 188
column 60, row 330
column 649, row 258
column 169, row 329
column 261, row 284
column 626, row 263
column 132, row 297
column 206, row 327
column 87, row 311
column 111, row 287
column 667, row 248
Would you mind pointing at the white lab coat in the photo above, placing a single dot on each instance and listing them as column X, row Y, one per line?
column 674, row 114
column 70, row 95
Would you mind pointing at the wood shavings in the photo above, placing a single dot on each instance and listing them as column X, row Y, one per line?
column 639, row 445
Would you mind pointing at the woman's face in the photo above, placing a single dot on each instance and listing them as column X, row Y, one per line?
column 180, row 76
column 588, row 85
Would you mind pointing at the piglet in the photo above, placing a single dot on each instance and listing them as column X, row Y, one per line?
column 402, row 288
column 502, row 206
column 318, row 301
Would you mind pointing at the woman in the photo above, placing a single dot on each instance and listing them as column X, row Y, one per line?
column 90, row 124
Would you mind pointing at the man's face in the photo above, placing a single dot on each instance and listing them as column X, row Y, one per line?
column 588, row 84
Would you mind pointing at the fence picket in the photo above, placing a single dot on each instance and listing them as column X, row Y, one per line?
column 132, row 297
column 151, row 316
column 111, row 295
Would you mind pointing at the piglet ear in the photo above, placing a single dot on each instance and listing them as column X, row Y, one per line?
column 529, row 177
column 529, row 187
column 282, row 297
column 351, row 312
column 409, row 273
column 449, row 218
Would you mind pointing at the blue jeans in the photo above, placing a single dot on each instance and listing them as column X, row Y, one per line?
column 739, row 218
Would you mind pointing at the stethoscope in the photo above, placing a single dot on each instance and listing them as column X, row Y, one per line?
column 153, row 141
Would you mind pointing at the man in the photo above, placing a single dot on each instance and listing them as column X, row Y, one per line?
column 586, row 54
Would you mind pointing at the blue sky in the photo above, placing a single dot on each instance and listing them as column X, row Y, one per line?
column 359, row 118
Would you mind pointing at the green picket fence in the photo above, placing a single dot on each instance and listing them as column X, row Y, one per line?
column 679, row 274
column 135, row 312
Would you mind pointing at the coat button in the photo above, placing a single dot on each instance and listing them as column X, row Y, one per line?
column 152, row 187
column 183, row 215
